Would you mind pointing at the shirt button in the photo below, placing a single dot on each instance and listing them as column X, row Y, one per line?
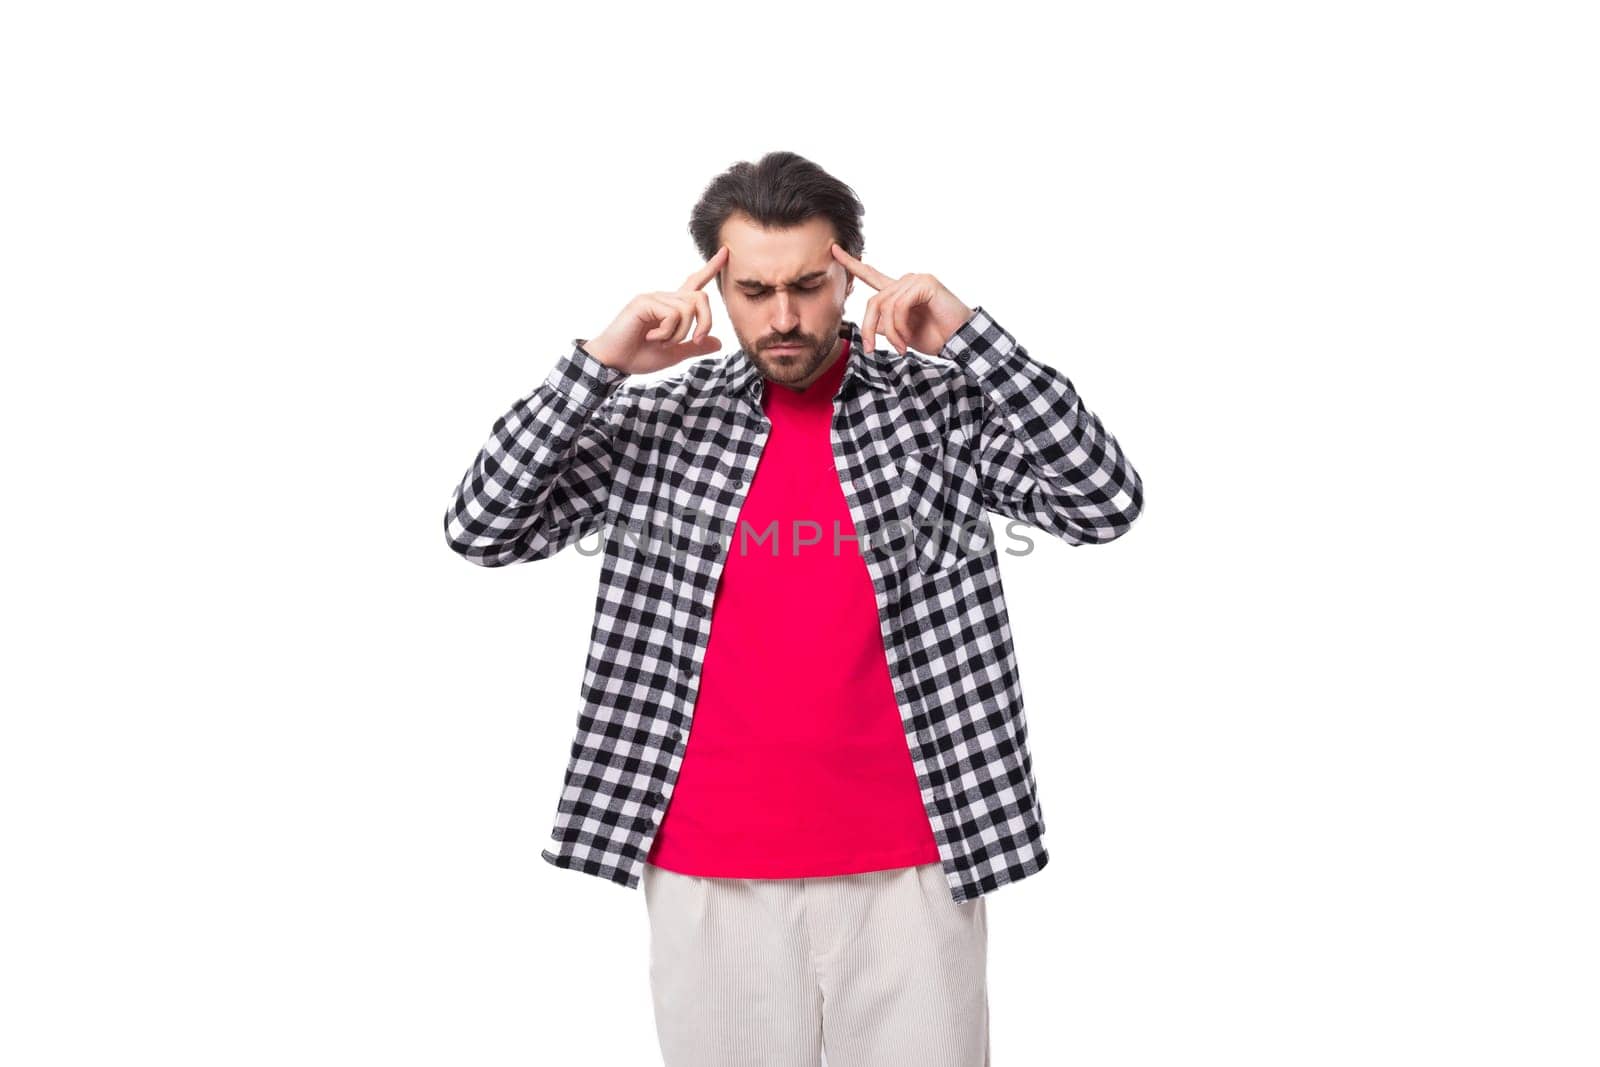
column 700, row 610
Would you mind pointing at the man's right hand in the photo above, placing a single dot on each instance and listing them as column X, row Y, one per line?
column 649, row 333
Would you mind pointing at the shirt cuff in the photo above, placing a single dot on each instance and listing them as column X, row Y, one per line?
column 980, row 346
column 580, row 376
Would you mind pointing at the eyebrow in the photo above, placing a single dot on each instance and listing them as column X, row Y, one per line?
column 752, row 283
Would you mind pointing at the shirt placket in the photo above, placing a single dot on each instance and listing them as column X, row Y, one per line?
column 855, row 449
column 751, row 427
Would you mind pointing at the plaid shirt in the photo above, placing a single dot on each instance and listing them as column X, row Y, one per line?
column 923, row 447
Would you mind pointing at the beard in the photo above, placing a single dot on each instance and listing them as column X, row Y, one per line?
column 791, row 368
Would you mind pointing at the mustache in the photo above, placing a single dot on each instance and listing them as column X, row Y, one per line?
column 781, row 341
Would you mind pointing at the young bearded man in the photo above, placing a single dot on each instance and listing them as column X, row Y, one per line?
column 801, row 729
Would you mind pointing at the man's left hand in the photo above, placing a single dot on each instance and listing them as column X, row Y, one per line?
column 913, row 311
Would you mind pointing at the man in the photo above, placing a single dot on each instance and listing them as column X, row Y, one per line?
column 802, row 729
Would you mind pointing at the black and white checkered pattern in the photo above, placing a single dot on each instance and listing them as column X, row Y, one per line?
column 923, row 445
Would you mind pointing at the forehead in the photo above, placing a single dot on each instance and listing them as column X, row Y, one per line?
column 758, row 256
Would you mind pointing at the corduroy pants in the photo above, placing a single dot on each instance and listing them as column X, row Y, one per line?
column 873, row 970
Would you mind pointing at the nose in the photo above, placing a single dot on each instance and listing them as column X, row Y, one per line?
column 784, row 319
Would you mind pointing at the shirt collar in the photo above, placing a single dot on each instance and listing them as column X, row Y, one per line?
column 741, row 376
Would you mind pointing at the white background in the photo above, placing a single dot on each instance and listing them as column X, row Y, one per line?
column 1316, row 741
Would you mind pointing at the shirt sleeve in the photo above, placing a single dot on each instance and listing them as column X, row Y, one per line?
column 1042, row 456
column 542, row 479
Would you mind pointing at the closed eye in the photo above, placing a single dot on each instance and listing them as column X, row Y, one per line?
column 765, row 292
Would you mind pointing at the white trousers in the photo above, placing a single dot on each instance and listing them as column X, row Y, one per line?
column 879, row 969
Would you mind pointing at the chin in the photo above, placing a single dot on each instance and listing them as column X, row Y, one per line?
column 782, row 373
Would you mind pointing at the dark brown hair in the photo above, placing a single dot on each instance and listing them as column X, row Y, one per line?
column 779, row 190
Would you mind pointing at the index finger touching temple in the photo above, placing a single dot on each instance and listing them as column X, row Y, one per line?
column 700, row 275
column 857, row 268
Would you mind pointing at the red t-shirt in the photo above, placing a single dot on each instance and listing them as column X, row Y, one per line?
column 797, row 764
